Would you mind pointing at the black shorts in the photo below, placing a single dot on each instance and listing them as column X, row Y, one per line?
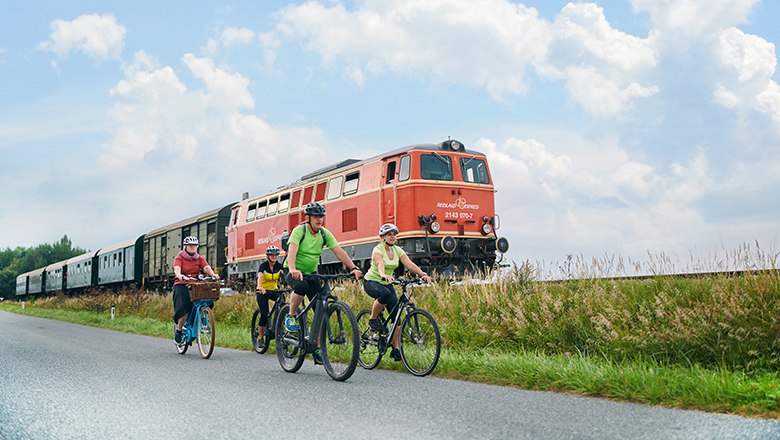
column 181, row 301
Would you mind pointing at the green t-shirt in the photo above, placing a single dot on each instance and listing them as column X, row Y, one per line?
column 310, row 249
column 390, row 265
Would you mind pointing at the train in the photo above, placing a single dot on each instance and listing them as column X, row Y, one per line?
column 441, row 197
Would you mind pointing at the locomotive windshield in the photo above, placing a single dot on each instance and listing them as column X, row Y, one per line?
column 436, row 167
column 474, row 170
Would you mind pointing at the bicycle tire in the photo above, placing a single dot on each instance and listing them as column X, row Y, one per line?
column 182, row 348
column 255, row 339
column 420, row 342
column 206, row 332
column 340, row 341
column 289, row 354
column 369, row 346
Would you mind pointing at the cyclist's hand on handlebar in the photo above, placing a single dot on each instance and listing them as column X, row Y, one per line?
column 388, row 278
column 358, row 273
column 261, row 291
column 296, row 274
column 426, row 278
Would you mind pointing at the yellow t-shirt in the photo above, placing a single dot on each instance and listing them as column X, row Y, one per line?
column 269, row 280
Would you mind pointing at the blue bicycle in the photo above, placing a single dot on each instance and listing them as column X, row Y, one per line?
column 200, row 323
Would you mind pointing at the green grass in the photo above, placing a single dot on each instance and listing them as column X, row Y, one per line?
column 709, row 344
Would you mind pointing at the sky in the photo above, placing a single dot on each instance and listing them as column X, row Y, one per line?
column 638, row 130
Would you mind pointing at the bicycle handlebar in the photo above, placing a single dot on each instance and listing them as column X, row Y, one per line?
column 198, row 278
column 406, row 282
column 336, row 276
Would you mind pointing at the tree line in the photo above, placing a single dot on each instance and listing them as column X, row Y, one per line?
column 14, row 262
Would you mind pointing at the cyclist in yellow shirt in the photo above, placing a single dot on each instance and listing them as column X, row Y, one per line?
column 267, row 279
column 385, row 258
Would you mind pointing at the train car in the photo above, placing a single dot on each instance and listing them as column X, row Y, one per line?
column 37, row 281
column 81, row 271
column 117, row 264
column 21, row 284
column 441, row 196
column 161, row 245
column 55, row 277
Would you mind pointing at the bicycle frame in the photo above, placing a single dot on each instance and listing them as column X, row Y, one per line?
column 320, row 305
column 281, row 301
column 404, row 304
column 190, row 329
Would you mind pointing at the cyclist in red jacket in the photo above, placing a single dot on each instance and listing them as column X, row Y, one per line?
column 187, row 265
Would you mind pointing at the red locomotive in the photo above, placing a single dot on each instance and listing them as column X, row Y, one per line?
column 440, row 196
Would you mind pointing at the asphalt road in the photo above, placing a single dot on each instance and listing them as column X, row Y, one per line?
column 62, row 381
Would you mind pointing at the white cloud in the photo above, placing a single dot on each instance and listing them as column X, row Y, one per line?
column 750, row 62
column 233, row 36
column 603, row 96
column 694, row 18
column 97, row 36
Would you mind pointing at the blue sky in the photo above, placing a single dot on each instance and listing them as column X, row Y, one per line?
column 613, row 128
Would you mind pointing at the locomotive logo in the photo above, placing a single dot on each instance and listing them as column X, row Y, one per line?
column 459, row 203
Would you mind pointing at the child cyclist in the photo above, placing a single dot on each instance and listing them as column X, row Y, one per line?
column 267, row 279
column 385, row 258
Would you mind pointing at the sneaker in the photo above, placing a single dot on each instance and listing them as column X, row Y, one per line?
column 317, row 355
column 374, row 324
column 291, row 324
column 177, row 336
column 395, row 354
column 260, row 343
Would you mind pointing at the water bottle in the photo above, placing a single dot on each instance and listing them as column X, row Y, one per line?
column 285, row 237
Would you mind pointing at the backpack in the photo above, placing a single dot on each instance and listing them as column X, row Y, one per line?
column 285, row 237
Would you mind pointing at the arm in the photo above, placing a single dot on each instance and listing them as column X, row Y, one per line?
column 292, row 254
column 409, row 264
column 177, row 272
column 344, row 258
column 259, row 279
column 210, row 272
column 380, row 264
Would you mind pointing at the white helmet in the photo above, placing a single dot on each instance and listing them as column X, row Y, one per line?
column 191, row 240
column 388, row 227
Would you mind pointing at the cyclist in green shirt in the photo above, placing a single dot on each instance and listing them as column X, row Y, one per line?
column 385, row 258
column 305, row 247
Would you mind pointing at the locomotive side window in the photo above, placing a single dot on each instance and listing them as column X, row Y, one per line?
column 272, row 207
column 436, row 167
column 473, row 170
column 351, row 184
column 250, row 213
column 284, row 202
column 235, row 217
column 390, row 172
column 261, row 209
column 320, row 195
column 334, row 187
column 296, row 199
column 405, row 169
column 307, row 193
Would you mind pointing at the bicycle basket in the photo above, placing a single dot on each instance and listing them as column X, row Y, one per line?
column 204, row 290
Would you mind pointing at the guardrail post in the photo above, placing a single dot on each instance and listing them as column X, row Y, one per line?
column 113, row 310
column 22, row 305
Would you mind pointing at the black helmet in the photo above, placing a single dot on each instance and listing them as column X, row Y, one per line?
column 314, row 208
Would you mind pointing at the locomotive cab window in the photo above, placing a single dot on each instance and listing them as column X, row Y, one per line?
column 405, row 169
column 436, row 167
column 250, row 213
column 390, row 172
column 474, row 170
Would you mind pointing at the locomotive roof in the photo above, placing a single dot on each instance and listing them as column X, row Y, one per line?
column 354, row 163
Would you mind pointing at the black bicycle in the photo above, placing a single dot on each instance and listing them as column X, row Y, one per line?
column 333, row 330
column 419, row 343
column 261, row 343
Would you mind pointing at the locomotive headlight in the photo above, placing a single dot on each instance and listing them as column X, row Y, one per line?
column 486, row 228
column 435, row 227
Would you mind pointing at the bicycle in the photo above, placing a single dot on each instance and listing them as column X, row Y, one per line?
column 270, row 328
column 337, row 335
column 420, row 341
column 200, row 323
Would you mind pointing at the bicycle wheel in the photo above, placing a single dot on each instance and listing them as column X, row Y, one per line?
column 182, row 348
column 420, row 342
column 206, row 332
column 369, row 344
column 340, row 343
column 288, row 347
column 255, row 340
